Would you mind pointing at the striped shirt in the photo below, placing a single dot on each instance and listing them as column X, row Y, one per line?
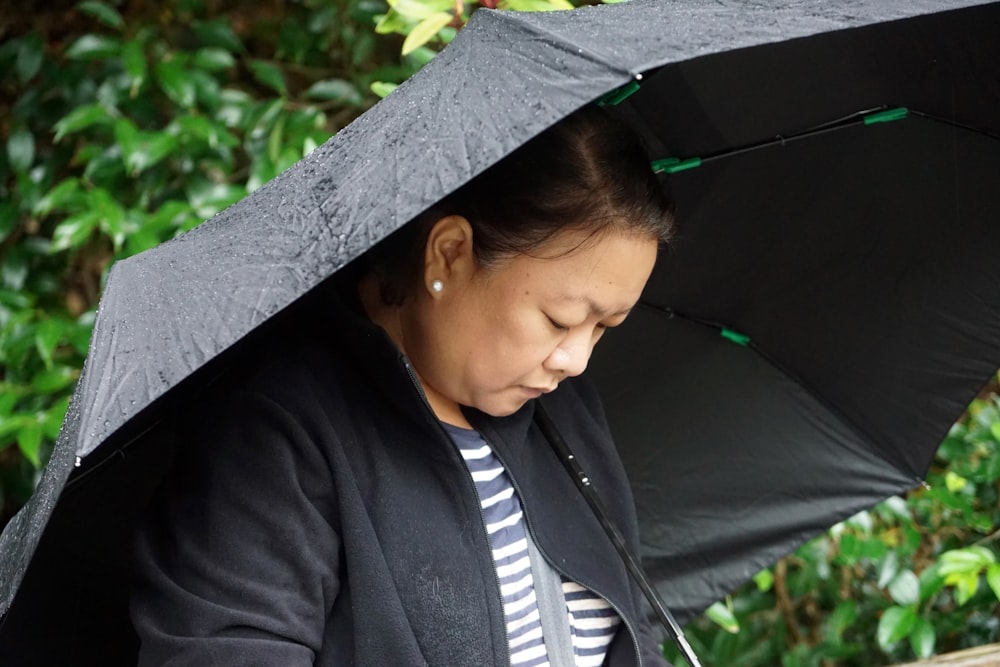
column 592, row 621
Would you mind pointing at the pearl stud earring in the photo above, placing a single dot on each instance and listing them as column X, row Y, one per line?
column 437, row 285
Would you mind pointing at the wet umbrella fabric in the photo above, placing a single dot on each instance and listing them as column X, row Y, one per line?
column 814, row 279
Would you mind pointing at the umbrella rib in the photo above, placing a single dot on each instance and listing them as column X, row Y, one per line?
column 746, row 341
column 120, row 452
column 956, row 124
column 865, row 116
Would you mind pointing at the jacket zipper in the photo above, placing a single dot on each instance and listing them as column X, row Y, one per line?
column 527, row 522
column 482, row 517
column 475, row 492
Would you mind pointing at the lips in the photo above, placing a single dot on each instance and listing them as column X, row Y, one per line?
column 535, row 392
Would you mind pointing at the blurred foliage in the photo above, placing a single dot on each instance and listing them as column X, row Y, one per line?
column 913, row 577
column 123, row 125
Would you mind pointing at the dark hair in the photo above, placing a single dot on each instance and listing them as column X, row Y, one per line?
column 589, row 173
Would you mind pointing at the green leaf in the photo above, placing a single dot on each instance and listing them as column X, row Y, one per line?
column 102, row 12
column 213, row 59
column 723, row 616
column 898, row 507
column 21, row 149
column 425, row 31
column 94, row 47
column 80, row 118
column 536, row 5
column 30, row 55
column 337, row 90
column 862, row 521
column 418, row 10
column 14, row 269
column 965, row 585
column 969, row 559
column 275, row 139
column 217, row 33
column 127, row 138
column 207, row 89
column 392, row 22
column 18, row 300
column 922, row 638
column 896, row 623
column 174, row 81
column 931, row 581
column 201, row 129
column 111, row 215
column 73, row 231
column 308, row 146
column 905, row 588
column 8, row 399
column 954, row 482
column 134, row 61
column 10, row 425
column 843, row 617
column 262, row 170
column 383, row 88
column 764, row 580
column 54, row 379
column 207, row 198
column 993, row 579
column 79, row 335
column 289, row 155
column 154, row 147
column 48, row 333
column 265, row 118
column 54, row 416
column 887, row 569
column 29, row 441
column 995, row 430
column 269, row 75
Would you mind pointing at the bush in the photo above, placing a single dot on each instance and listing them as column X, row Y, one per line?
column 130, row 129
column 911, row 578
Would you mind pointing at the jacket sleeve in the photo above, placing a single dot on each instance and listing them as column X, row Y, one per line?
column 236, row 561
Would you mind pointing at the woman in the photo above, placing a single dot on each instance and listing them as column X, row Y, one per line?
column 375, row 492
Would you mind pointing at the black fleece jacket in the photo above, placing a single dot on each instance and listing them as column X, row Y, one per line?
column 320, row 515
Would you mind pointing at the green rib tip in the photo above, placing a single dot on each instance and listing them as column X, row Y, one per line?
column 887, row 116
column 618, row 95
column 671, row 165
column 735, row 336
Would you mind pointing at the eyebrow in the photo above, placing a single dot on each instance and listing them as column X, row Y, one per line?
column 595, row 309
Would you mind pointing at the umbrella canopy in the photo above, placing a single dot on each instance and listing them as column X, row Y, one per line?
column 856, row 261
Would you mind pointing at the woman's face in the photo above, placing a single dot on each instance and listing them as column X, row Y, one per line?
column 494, row 338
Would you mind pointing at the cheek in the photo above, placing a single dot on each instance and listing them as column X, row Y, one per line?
column 509, row 350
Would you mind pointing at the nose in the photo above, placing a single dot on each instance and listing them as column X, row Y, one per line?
column 570, row 358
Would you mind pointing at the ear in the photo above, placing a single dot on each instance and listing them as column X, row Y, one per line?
column 448, row 254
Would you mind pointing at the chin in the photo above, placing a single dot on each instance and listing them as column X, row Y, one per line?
column 501, row 408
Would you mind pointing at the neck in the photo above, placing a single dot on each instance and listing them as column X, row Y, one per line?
column 390, row 318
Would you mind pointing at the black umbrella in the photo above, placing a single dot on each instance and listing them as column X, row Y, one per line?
column 832, row 304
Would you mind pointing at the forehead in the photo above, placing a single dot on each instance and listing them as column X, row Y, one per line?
column 603, row 273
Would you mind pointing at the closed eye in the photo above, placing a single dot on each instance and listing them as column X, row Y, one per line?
column 557, row 325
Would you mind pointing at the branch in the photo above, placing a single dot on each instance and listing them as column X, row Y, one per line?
column 784, row 601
